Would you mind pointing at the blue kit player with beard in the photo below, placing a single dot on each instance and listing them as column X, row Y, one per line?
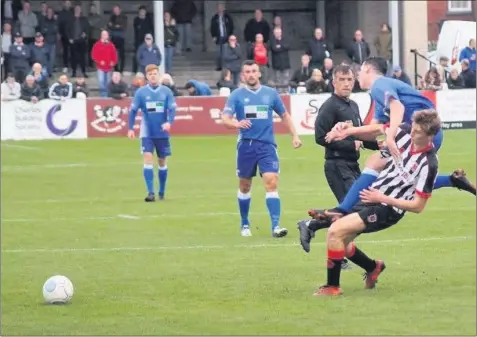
column 253, row 107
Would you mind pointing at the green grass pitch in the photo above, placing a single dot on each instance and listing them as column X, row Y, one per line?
column 180, row 267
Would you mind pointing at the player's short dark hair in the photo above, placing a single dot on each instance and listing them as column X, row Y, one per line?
column 249, row 63
column 189, row 85
column 342, row 69
column 379, row 64
column 428, row 120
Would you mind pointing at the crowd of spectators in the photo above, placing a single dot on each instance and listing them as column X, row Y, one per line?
column 30, row 41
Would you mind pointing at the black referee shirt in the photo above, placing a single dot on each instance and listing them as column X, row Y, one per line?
column 334, row 110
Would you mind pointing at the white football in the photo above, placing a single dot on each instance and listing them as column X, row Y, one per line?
column 58, row 289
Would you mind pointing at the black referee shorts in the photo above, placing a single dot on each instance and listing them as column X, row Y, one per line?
column 340, row 175
column 377, row 217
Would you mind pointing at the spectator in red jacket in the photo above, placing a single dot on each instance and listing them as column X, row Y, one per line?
column 105, row 55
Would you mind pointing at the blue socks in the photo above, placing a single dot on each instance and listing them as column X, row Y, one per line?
column 244, row 207
column 443, row 181
column 352, row 197
column 274, row 208
column 148, row 172
column 162, row 180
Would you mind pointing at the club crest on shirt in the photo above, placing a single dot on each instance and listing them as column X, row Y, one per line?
column 372, row 218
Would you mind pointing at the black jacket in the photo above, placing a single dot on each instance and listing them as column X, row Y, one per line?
column 17, row 6
column 65, row 18
column 337, row 109
column 253, row 27
column 232, row 58
column 280, row 54
column 317, row 50
column 458, row 83
column 358, row 52
column 183, row 11
column 300, row 75
column 141, row 28
column 20, row 56
column 215, row 28
column 314, row 87
column 84, row 29
column 28, row 92
column 469, row 78
column 116, row 89
column 49, row 29
column 171, row 36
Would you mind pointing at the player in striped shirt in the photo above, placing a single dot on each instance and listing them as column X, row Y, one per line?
column 400, row 187
column 395, row 103
column 158, row 107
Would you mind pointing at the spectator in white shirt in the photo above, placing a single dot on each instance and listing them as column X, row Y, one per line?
column 10, row 89
column 7, row 40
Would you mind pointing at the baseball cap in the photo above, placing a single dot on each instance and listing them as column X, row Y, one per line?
column 148, row 36
column 38, row 34
column 18, row 34
column 397, row 68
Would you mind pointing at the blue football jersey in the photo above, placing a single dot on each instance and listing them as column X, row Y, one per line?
column 386, row 89
column 258, row 107
column 158, row 106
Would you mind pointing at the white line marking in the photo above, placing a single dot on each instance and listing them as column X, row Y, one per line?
column 191, row 195
column 127, row 216
column 21, row 147
column 218, row 247
column 26, row 167
column 182, row 215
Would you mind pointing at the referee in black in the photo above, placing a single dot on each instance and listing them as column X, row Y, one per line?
column 341, row 157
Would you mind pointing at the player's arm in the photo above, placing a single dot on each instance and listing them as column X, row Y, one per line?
column 365, row 133
column 171, row 107
column 416, row 205
column 386, row 96
column 279, row 108
column 228, row 113
column 135, row 106
column 425, row 184
column 286, row 118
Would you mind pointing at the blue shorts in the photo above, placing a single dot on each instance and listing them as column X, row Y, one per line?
column 161, row 145
column 253, row 153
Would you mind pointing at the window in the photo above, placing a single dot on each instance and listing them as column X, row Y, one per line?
column 459, row 6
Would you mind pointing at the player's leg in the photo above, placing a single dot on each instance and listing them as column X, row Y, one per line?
column 147, row 149
column 340, row 234
column 244, row 199
column 457, row 179
column 163, row 149
column 269, row 166
column 374, row 165
column 246, row 170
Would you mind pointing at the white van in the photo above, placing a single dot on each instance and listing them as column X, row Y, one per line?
column 454, row 37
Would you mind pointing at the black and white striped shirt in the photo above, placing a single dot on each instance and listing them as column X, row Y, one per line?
column 414, row 174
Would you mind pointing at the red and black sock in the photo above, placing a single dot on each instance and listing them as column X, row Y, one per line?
column 359, row 258
column 335, row 258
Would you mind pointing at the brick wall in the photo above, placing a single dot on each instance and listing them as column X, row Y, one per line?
column 437, row 12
